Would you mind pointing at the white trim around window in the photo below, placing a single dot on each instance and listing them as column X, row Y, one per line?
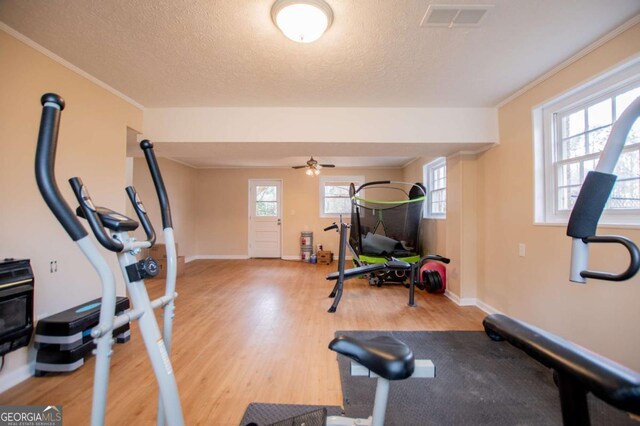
column 569, row 134
column 435, row 181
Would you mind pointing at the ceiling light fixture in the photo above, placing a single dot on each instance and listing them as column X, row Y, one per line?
column 313, row 167
column 303, row 21
column 314, row 170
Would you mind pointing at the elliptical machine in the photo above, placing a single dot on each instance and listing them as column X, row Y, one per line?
column 112, row 230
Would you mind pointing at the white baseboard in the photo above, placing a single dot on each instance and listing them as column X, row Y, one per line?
column 468, row 301
column 471, row 301
column 12, row 378
column 236, row 257
column 487, row 308
column 452, row 296
column 465, row 301
column 218, row 257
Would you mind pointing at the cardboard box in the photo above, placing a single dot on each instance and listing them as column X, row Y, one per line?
column 325, row 257
column 162, row 263
column 158, row 251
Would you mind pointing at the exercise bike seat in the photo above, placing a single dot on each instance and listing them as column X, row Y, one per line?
column 386, row 356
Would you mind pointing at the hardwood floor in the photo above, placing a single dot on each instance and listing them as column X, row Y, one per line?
column 245, row 331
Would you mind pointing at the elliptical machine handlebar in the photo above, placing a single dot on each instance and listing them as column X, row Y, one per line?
column 592, row 201
column 44, row 166
column 142, row 214
column 90, row 213
column 165, row 209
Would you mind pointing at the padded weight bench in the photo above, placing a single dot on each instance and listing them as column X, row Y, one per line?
column 576, row 370
column 392, row 265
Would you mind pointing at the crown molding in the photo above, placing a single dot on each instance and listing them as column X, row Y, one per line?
column 581, row 54
column 26, row 40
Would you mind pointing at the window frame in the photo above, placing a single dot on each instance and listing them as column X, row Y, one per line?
column 547, row 142
column 428, row 171
column 324, row 180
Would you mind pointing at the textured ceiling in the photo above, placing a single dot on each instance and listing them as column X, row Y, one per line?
column 229, row 53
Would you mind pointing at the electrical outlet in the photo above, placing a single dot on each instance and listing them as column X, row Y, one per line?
column 521, row 249
column 53, row 266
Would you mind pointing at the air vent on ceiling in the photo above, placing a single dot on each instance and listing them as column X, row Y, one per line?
column 454, row 15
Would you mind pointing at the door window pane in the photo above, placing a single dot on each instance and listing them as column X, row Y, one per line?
column 266, row 201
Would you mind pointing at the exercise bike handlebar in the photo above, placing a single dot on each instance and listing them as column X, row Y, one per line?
column 52, row 104
column 90, row 213
column 165, row 209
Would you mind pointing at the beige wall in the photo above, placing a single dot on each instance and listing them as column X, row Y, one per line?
column 92, row 146
column 433, row 231
column 223, row 208
column 456, row 236
column 180, row 182
column 490, row 206
column 601, row 316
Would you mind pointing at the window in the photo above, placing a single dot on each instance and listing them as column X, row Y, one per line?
column 334, row 194
column 435, row 180
column 266, row 201
column 571, row 132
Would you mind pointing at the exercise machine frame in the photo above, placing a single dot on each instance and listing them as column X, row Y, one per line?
column 117, row 239
column 578, row 372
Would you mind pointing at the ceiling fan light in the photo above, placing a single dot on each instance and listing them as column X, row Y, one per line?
column 316, row 172
column 309, row 172
column 303, row 21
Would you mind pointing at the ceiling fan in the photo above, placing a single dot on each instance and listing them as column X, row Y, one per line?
column 312, row 166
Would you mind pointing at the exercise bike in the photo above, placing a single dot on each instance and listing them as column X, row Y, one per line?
column 112, row 230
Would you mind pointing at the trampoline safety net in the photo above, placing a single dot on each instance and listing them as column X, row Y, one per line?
column 386, row 222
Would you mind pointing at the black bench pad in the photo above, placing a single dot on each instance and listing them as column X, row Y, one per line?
column 360, row 270
column 609, row 381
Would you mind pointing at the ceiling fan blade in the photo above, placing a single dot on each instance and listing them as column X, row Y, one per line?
column 327, row 165
column 299, row 167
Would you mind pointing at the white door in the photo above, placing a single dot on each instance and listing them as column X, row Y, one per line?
column 265, row 213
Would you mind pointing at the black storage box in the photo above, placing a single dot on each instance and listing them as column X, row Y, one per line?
column 16, row 304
